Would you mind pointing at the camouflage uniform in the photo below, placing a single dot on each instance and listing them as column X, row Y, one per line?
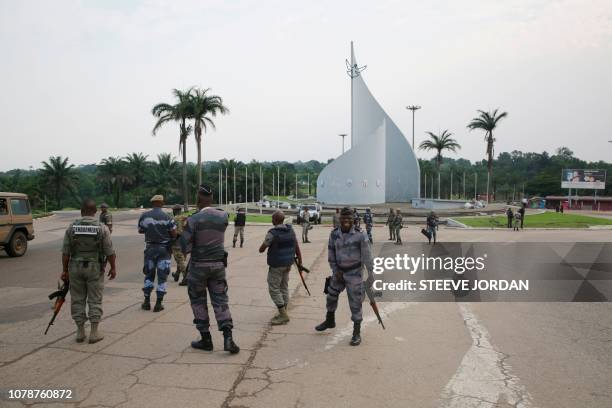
column 86, row 241
column 204, row 237
column 305, row 225
column 368, row 221
column 397, row 223
column 177, row 252
column 348, row 253
column 391, row 224
column 156, row 225
column 106, row 218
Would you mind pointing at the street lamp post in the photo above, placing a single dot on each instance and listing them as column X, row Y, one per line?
column 413, row 108
column 342, row 135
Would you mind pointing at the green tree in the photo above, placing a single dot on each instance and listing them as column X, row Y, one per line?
column 487, row 121
column 115, row 172
column 202, row 108
column 439, row 143
column 178, row 112
column 164, row 175
column 137, row 166
column 59, row 176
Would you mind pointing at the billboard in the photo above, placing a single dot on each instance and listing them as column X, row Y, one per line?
column 579, row 178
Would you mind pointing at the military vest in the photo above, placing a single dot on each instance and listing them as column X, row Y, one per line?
column 180, row 223
column 282, row 250
column 86, row 241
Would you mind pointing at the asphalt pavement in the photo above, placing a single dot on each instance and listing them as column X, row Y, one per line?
column 430, row 355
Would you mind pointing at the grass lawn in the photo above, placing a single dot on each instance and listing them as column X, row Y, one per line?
column 545, row 220
column 267, row 218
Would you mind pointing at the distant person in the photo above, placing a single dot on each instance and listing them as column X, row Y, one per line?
column 204, row 238
column 522, row 212
column 336, row 218
column 105, row 217
column 305, row 225
column 179, row 219
column 391, row 224
column 159, row 230
column 356, row 218
column 239, row 223
column 368, row 221
column 561, row 208
column 510, row 216
column 432, row 224
column 397, row 223
column 86, row 243
column 283, row 248
column 518, row 217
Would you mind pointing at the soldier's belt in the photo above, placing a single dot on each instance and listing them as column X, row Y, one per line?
column 350, row 267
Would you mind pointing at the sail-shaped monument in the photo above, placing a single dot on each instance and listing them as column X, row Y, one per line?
column 380, row 167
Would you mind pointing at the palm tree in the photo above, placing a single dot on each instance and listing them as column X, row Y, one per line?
column 487, row 121
column 60, row 176
column 201, row 107
column 137, row 165
column 164, row 174
column 115, row 172
column 439, row 143
column 179, row 112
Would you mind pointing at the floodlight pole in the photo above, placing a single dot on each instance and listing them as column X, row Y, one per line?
column 413, row 108
column 342, row 135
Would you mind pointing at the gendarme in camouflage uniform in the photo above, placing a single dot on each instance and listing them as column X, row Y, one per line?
column 348, row 253
column 204, row 238
column 179, row 257
column 398, row 225
column 86, row 243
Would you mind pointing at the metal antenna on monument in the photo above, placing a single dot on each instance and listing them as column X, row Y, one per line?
column 353, row 70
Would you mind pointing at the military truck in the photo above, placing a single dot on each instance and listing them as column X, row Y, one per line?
column 16, row 226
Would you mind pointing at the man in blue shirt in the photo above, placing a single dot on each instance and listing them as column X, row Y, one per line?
column 159, row 230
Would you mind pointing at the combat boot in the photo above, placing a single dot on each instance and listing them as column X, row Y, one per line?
column 281, row 318
column 158, row 303
column 241, row 243
column 234, row 244
column 205, row 343
column 228, row 342
column 176, row 276
column 329, row 323
column 80, row 334
column 184, row 281
column 146, row 305
column 95, row 336
column 356, row 339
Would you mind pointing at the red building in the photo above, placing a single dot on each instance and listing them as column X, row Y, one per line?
column 580, row 203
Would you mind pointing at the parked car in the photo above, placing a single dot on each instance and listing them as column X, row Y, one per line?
column 16, row 225
column 314, row 211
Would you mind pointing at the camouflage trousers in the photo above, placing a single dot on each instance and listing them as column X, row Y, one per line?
column 369, row 232
column 157, row 261
column 239, row 230
column 398, row 236
column 392, row 232
column 352, row 281
column 209, row 277
column 179, row 257
column 86, row 286
column 278, row 284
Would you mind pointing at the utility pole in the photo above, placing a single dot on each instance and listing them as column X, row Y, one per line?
column 438, row 184
column 234, row 180
column 425, row 195
column 475, row 186
column 260, row 190
column 246, row 189
column 296, row 188
column 226, row 184
column 342, row 135
column 413, row 108
column 464, row 185
column 277, row 187
column 451, row 187
column 308, row 181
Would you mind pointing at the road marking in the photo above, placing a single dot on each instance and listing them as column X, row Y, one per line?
column 484, row 377
column 384, row 310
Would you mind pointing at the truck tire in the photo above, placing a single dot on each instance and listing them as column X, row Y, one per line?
column 18, row 245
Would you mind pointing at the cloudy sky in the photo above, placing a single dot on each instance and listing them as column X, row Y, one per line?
column 79, row 78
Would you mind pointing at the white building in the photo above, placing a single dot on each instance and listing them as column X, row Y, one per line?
column 380, row 166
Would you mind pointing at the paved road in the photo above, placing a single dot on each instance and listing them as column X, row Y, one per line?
column 431, row 355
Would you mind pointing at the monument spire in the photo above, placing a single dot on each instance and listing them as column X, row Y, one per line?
column 353, row 71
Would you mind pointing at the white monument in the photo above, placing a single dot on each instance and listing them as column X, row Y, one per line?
column 380, row 167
